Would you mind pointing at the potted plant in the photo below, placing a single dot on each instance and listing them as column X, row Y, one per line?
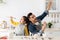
column 49, row 24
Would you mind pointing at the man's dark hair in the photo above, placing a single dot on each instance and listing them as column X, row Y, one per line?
column 29, row 14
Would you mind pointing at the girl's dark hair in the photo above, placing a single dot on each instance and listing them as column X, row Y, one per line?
column 27, row 22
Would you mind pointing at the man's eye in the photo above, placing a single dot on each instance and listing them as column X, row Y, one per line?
column 32, row 17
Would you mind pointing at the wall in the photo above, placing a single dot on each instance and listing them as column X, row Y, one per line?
column 18, row 8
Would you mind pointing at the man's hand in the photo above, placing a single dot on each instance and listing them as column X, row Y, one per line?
column 43, row 26
column 49, row 5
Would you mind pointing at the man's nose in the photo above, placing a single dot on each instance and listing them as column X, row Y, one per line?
column 34, row 17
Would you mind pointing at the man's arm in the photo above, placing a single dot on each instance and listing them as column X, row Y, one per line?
column 41, row 17
column 43, row 26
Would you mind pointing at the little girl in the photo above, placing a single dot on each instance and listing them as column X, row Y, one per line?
column 22, row 26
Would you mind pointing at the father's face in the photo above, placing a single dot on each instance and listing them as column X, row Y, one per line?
column 33, row 18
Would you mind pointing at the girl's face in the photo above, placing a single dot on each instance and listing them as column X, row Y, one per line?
column 22, row 20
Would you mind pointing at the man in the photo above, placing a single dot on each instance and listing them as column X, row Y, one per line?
column 34, row 26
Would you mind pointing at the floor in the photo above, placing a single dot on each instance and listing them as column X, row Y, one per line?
column 50, row 34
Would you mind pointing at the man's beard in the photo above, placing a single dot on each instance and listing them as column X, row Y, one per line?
column 36, row 20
